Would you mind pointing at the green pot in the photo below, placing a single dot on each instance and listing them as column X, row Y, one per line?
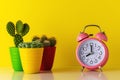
column 15, row 59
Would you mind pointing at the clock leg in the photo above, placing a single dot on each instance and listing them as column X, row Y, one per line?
column 100, row 68
column 83, row 68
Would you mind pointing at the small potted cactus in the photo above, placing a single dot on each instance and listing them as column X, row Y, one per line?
column 48, row 53
column 31, row 56
column 17, row 32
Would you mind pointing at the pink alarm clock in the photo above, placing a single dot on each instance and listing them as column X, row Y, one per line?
column 91, row 52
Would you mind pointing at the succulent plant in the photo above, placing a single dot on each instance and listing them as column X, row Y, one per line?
column 33, row 44
column 25, row 30
column 17, row 31
column 44, row 37
column 19, row 26
column 35, row 38
column 46, row 43
column 11, row 28
column 52, row 41
column 36, row 44
column 17, row 39
column 45, row 40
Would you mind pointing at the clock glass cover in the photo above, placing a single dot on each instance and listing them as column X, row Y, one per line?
column 91, row 52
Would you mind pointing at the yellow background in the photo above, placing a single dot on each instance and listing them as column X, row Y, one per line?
column 63, row 19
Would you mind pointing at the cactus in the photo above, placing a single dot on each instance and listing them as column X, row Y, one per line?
column 33, row 44
column 36, row 44
column 21, row 45
column 52, row 41
column 25, row 29
column 35, row 38
column 44, row 37
column 27, row 45
column 11, row 28
column 40, row 45
column 46, row 41
column 17, row 31
column 19, row 26
column 17, row 39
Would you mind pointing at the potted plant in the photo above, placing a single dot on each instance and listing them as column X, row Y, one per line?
column 17, row 32
column 31, row 56
column 48, row 53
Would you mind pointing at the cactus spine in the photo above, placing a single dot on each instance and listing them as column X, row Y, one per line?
column 17, row 31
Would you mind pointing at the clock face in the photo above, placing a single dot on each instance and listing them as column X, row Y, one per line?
column 91, row 52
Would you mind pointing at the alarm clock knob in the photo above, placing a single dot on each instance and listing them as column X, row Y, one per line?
column 101, row 36
column 82, row 36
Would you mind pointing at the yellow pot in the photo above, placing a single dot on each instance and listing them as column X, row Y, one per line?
column 31, row 59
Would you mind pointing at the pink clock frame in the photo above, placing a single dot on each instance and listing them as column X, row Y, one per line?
column 102, row 63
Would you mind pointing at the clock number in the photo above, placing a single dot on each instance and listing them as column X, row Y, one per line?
column 95, row 45
column 99, row 57
column 96, row 61
column 87, row 60
column 91, row 43
column 84, row 48
column 83, row 58
column 91, row 62
column 86, row 45
column 98, row 48
column 82, row 53
column 100, row 53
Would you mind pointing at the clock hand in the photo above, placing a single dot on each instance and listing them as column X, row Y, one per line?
column 91, row 48
column 91, row 51
column 88, row 54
